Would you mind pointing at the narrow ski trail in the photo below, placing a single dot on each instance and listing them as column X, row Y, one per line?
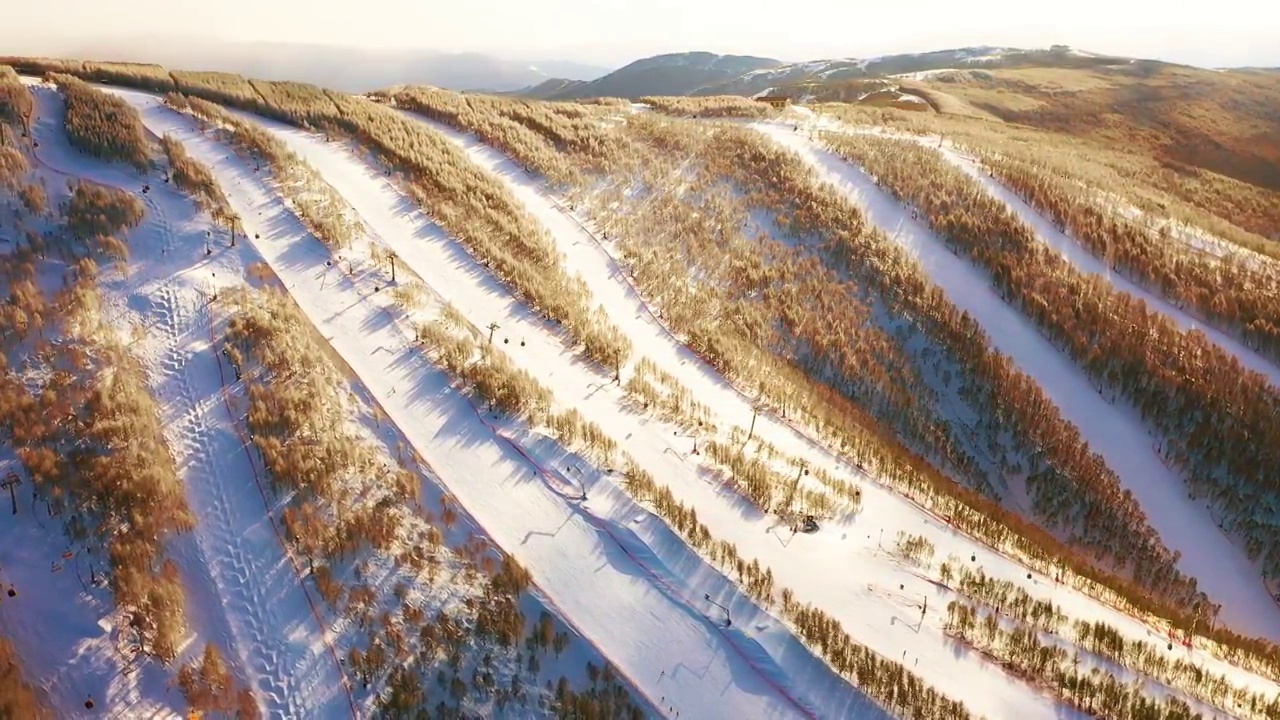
column 241, row 589
column 218, row 489
column 1112, row 430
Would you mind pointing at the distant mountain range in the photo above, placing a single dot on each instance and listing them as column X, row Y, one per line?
column 703, row 73
column 350, row 69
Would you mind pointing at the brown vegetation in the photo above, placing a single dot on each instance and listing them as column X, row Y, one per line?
column 16, row 104
column 193, row 178
column 1225, row 448
column 97, row 215
column 18, row 701
column 103, row 125
column 89, row 436
column 208, row 688
column 710, row 106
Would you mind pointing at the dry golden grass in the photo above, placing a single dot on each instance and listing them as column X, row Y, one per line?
column 193, row 178
column 103, row 125
column 1234, row 431
column 711, row 106
column 90, row 438
column 1238, row 293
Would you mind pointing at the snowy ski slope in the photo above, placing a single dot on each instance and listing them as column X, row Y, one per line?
column 1114, row 431
column 614, row 571
column 580, row 248
column 672, row 651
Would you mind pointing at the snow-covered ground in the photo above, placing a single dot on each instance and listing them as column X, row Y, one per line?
column 446, row 268
column 1113, row 431
column 614, row 571
column 243, row 592
column 665, row 641
column 1071, row 250
column 855, row 598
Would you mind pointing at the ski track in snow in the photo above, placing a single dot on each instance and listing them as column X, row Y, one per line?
column 242, row 592
column 1112, row 430
column 643, row 629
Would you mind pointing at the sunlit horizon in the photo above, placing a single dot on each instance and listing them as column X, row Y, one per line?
column 612, row 33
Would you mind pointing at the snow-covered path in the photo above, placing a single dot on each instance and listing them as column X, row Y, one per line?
column 1086, row 262
column 672, row 652
column 863, row 600
column 1113, row 431
column 242, row 590
column 1074, row 252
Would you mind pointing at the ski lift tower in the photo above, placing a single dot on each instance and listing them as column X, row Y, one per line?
column 11, row 481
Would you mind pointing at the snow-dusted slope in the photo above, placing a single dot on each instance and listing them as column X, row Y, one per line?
column 65, row 630
column 853, row 597
column 1071, row 250
column 1113, row 431
column 671, row 650
column 821, row 576
column 243, row 591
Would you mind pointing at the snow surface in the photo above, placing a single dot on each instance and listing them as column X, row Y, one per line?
column 852, row 597
column 668, row 645
column 617, row 573
column 243, row 592
column 1113, row 431
column 608, row 286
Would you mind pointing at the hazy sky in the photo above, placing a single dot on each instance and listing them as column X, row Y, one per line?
column 613, row 32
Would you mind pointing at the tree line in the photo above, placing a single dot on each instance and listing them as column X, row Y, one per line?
column 1217, row 423
column 1233, row 291
column 102, row 125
